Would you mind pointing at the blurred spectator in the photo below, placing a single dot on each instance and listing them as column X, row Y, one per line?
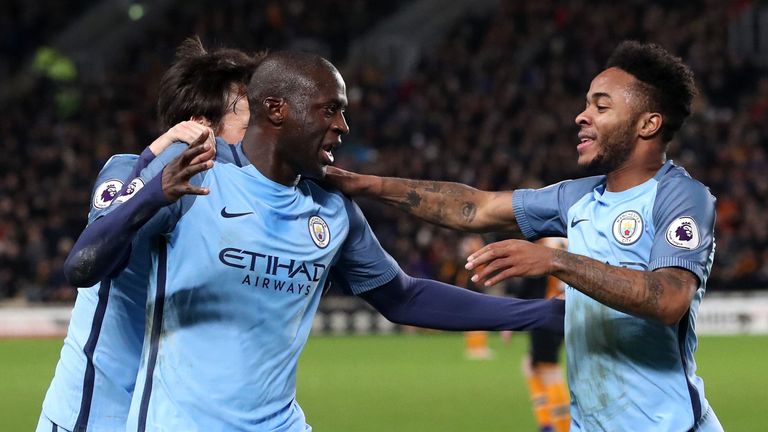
column 491, row 105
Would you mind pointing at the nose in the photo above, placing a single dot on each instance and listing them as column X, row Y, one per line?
column 340, row 124
column 582, row 118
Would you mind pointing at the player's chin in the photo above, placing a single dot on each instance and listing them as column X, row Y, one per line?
column 324, row 161
column 586, row 158
column 325, row 157
column 315, row 172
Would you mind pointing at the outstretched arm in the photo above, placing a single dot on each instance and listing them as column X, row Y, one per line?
column 664, row 294
column 432, row 304
column 451, row 205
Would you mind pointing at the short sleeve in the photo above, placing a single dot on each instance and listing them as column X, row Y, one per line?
column 167, row 216
column 110, row 182
column 543, row 212
column 225, row 153
column 363, row 264
column 684, row 217
column 164, row 158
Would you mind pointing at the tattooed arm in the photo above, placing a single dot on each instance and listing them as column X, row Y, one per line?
column 664, row 294
column 451, row 205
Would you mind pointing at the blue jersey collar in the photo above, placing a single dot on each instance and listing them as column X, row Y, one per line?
column 602, row 195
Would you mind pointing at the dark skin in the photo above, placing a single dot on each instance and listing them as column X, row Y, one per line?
column 198, row 157
column 612, row 122
column 284, row 140
column 450, row 205
column 291, row 136
column 664, row 294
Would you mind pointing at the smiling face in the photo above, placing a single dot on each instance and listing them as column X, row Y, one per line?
column 608, row 125
column 315, row 124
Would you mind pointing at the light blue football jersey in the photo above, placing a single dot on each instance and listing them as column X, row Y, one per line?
column 96, row 373
column 236, row 279
column 94, row 379
column 624, row 372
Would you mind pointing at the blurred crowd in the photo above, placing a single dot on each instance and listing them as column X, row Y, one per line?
column 492, row 105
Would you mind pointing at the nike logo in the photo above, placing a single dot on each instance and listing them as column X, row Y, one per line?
column 232, row 215
column 575, row 222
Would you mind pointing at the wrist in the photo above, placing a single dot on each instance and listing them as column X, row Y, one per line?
column 159, row 144
column 558, row 262
column 374, row 185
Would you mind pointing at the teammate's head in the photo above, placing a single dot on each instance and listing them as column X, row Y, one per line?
column 665, row 84
column 643, row 95
column 299, row 98
column 209, row 87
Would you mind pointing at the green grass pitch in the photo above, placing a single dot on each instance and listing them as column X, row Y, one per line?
column 418, row 382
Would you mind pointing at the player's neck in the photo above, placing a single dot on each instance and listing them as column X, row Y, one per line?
column 645, row 159
column 633, row 173
column 261, row 151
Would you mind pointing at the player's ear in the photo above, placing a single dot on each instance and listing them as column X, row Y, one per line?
column 650, row 124
column 275, row 109
column 201, row 120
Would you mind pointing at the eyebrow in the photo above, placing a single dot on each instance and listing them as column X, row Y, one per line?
column 336, row 101
column 599, row 95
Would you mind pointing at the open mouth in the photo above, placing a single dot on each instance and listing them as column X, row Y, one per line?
column 585, row 140
column 326, row 154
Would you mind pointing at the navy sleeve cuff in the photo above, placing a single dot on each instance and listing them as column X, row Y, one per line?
column 146, row 156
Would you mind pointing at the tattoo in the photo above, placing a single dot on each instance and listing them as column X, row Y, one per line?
column 433, row 187
column 622, row 287
column 632, row 291
column 468, row 211
column 450, row 205
column 412, row 200
column 655, row 290
column 597, row 280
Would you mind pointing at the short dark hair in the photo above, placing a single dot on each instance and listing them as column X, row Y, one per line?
column 286, row 74
column 665, row 81
column 199, row 83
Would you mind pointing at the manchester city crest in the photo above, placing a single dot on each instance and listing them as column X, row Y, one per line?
column 134, row 186
column 628, row 227
column 105, row 193
column 319, row 231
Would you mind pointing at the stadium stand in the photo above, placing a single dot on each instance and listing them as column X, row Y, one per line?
column 490, row 104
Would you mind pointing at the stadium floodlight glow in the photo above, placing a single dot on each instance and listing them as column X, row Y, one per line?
column 54, row 64
column 136, row 11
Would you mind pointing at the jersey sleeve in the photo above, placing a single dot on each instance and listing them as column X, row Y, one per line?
column 164, row 158
column 115, row 173
column 225, row 153
column 165, row 217
column 684, row 217
column 433, row 304
column 543, row 212
column 152, row 167
column 363, row 264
